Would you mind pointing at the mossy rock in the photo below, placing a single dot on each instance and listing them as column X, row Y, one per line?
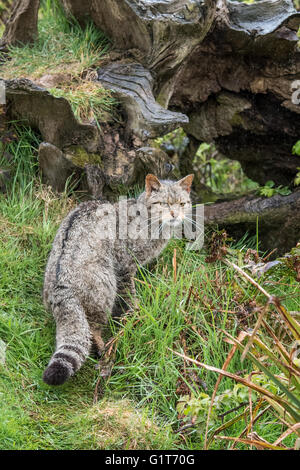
column 79, row 156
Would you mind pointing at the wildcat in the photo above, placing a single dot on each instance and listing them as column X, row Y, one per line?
column 89, row 277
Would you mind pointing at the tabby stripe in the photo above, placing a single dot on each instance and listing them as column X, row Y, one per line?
column 75, row 349
column 64, row 241
column 66, row 357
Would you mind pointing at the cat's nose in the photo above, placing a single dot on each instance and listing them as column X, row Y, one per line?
column 172, row 214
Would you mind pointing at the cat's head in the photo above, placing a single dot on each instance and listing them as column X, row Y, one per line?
column 169, row 200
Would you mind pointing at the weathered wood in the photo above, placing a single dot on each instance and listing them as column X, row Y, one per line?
column 277, row 217
column 132, row 84
column 158, row 34
column 21, row 26
column 5, row 10
column 69, row 145
column 261, row 18
column 155, row 28
column 125, row 163
column 230, row 67
column 56, row 168
column 53, row 117
column 237, row 88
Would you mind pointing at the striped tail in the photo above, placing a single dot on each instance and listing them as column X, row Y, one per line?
column 66, row 360
column 72, row 344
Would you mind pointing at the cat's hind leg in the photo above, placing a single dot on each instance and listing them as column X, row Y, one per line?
column 97, row 338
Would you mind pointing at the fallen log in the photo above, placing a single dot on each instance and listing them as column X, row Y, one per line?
column 277, row 219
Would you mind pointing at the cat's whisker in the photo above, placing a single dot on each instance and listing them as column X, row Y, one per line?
column 149, row 219
column 194, row 223
column 156, row 231
column 143, row 227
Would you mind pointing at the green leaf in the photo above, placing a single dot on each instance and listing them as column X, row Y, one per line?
column 296, row 148
column 283, row 190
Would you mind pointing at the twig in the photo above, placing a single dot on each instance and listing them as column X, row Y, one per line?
column 272, row 299
column 235, row 377
column 287, row 433
column 188, row 297
column 268, row 256
column 174, row 263
column 96, row 393
column 225, row 365
column 186, row 426
column 255, row 330
column 250, row 279
column 254, row 421
column 253, row 442
column 222, row 416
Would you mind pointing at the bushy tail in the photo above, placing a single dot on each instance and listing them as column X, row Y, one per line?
column 72, row 343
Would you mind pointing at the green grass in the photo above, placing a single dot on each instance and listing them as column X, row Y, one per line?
column 62, row 46
column 137, row 405
column 64, row 59
column 88, row 100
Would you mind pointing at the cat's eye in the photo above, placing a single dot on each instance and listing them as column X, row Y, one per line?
column 182, row 204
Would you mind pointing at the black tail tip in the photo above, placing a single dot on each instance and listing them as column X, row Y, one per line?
column 56, row 374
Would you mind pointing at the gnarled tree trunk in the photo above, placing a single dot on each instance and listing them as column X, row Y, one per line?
column 21, row 27
column 232, row 68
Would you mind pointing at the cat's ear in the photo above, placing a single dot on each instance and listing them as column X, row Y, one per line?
column 186, row 182
column 151, row 184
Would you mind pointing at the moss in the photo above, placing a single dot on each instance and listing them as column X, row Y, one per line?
column 237, row 121
column 79, row 156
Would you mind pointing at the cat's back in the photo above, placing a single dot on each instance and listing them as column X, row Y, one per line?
column 74, row 234
column 76, row 224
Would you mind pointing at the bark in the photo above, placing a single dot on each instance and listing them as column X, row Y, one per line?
column 133, row 85
column 237, row 88
column 5, row 8
column 230, row 67
column 277, row 218
column 21, row 27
